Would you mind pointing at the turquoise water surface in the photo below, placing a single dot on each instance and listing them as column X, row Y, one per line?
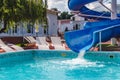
column 59, row 68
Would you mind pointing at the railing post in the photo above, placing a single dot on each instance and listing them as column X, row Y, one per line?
column 100, row 40
column 113, row 16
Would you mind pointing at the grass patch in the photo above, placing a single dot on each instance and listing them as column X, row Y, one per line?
column 107, row 45
column 21, row 44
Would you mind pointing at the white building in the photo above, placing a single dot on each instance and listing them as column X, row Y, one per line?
column 118, row 8
column 52, row 22
column 25, row 29
column 64, row 25
column 78, row 22
column 75, row 23
column 52, row 17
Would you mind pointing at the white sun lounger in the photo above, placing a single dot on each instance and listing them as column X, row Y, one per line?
column 17, row 48
column 30, row 39
column 42, row 44
column 5, row 47
column 8, row 48
column 2, row 43
column 56, row 41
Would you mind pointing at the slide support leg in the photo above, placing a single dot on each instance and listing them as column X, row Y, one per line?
column 100, row 46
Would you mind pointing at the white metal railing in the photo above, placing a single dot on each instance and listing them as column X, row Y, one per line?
column 107, row 28
column 100, row 31
column 19, row 34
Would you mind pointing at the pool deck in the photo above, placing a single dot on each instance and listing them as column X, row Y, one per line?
column 33, row 46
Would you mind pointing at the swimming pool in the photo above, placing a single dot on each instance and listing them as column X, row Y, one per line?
column 59, row 65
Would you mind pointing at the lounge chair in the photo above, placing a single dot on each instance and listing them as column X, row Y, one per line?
column 17, row 48
column 30, row 39
column 56, row 41
column 42, row 44
column 32, row 42
column 10, row 47
column 5, row 47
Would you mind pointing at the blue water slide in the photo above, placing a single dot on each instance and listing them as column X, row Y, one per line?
column 89, row 36
column 79, row 5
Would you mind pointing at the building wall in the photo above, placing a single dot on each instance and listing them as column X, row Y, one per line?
column 75, row 23
column 63, row 26
column 52, row 23
column 22, row 28
column 78, row 22
column 118, row 8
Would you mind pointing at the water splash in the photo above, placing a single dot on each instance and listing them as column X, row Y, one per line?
column 80, row 60
column 81, row 54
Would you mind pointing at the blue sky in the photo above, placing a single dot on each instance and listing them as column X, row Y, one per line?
column 61, row 5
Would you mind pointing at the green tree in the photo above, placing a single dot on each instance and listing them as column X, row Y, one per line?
column 64, row 15
column 15, row 11
column 55, row 9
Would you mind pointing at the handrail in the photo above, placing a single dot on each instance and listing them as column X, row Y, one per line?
column 93, row 16
column 106, row 28
column 99, row 31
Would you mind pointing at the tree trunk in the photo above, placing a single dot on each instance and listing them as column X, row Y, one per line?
column 4, row 27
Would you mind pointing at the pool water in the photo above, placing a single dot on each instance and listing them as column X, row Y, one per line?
column 60, row 68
